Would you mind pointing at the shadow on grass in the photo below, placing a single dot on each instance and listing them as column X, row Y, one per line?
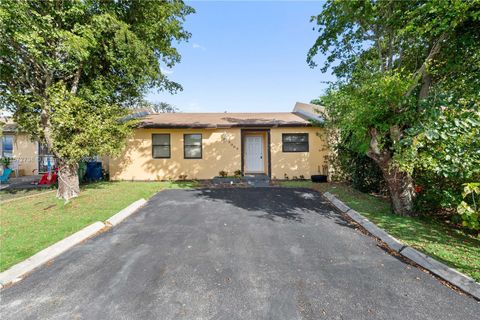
column 9, row 194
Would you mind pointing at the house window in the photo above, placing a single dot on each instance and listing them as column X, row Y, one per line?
column 192, row 146
column 161, row 146
column 295, row 142
column 7, row 147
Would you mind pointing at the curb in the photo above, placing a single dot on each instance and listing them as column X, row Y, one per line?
column 19, row 270
column 337, row 203
column 123, row 214
column 443, row 271
column 456, row 278
column 392, row 242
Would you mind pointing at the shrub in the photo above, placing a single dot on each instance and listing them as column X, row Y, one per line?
column 5, row 162
column 223, row 173
column 363, row 173
column 469, row 208
column 442, row 151
column 237, row 173
column 435, row 192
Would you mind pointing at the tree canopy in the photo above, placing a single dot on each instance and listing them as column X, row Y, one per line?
column 401, row 67
column 70, row 69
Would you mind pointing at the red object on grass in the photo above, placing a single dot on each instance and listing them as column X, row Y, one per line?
column 44, row 179
column 418, row 189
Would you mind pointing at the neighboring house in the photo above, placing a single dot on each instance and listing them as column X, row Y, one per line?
column 199, row 145
column 32, row 156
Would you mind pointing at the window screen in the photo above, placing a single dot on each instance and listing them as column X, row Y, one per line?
column 161, row 146
column 192, row 144
column 295, row 142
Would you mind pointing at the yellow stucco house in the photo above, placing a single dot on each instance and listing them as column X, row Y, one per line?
column 199, row 145
column 29, row 157
column 172, row 146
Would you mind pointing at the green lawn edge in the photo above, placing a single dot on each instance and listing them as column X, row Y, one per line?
column 452, row 246
column 28, row 225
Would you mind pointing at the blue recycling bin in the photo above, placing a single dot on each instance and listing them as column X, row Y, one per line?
column 94, row 171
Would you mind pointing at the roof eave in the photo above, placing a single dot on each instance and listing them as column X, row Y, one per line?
column 220, row 126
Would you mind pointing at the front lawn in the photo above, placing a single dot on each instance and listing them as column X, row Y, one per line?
column 434, row 237
column 7, row 195
column 30, row 225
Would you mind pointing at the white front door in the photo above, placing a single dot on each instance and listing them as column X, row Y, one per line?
column 254, row 154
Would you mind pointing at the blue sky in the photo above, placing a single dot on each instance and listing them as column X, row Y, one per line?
column 246, row 57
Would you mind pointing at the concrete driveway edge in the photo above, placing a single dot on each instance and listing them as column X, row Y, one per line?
column 456, row 278
column 448, row 274
column 337, row 203
column 381, row 234
column 125, row 213
column 18, row 271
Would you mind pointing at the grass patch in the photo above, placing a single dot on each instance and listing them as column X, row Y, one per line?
column 434, row 237
column 13, row 194
column 30, row 225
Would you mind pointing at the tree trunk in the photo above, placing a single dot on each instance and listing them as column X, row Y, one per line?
column 399, row 183
column 401, row 189
column 68, row 185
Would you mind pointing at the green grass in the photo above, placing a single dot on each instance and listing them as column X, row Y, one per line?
column 13, row 194
column 30, row 225
column 434, row 237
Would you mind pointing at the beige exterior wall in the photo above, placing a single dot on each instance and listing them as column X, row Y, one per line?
column 295, row 164
column 221, row 150
column 26, row 151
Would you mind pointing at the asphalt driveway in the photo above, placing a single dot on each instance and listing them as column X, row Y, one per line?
column 255, row 253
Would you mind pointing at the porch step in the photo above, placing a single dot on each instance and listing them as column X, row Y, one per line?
column 256, row 177
column 258, row 183
column 258, row 180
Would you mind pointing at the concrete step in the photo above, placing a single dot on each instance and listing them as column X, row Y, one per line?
column 262, row 177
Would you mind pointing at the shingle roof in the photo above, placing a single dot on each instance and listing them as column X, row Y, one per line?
column 223, row 120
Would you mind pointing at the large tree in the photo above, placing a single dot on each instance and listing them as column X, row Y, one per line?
column 69, row 70
column 399, row 65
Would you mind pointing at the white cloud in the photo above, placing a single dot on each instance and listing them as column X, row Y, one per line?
column 198, row 46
